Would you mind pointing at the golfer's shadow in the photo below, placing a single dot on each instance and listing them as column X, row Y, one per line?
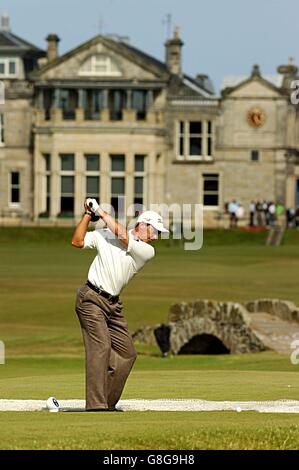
column 72, row 410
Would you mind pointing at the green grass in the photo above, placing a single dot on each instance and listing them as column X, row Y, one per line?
column 204, row 377
column 127, row 431
column 39, row 274
column 149, row 430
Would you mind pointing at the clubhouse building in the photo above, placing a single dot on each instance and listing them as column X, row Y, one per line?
column 107, row 120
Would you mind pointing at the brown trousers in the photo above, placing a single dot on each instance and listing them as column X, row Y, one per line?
column 109, row 348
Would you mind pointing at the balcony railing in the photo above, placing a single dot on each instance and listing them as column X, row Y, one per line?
column 80, row 115
column 116, row 115
column 90, row 115
column 69, row 114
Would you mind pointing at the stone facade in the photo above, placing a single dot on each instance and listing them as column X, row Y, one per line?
column 17, row 59
column 107, row 98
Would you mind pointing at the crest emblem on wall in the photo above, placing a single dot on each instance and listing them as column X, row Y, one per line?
column 256, row 117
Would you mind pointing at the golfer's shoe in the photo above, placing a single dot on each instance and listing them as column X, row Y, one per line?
column 104, row 409
column 97, row 409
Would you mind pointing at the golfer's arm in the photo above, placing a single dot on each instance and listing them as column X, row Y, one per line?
column 119, row 230
column 80, row 231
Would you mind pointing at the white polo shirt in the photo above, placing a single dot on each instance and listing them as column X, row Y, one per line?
column 115, row 264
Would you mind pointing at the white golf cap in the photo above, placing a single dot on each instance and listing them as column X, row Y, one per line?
column 152, row 218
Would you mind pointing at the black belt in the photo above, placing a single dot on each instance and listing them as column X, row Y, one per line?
column 98, row 290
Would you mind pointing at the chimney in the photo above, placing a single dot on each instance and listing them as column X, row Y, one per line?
column 288, row 70
column 174, row 52
column 5, row 22
column 53, row 41
column 255, row 72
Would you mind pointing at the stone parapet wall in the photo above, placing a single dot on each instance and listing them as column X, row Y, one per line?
column 283, row 309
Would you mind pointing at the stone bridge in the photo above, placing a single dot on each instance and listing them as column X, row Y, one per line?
column 211, row 327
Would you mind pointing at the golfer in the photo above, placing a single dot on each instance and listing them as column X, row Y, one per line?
column 109, row 348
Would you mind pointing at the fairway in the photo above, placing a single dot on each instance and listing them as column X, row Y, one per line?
column 43, row 271
column 265, row 376
column 40, row 273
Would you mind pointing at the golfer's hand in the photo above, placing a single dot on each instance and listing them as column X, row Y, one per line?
column 92, row 205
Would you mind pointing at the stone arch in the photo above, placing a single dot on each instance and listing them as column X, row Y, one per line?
column 204, row 344
column 227, row 321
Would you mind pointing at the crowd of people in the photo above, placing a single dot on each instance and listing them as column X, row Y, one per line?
column 260, row 213
column 292, row 217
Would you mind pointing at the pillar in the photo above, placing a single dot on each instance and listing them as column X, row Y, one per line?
column 80, row 186
column 55, row 184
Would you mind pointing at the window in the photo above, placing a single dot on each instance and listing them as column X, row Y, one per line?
column 67, row 184
column 139, row 177
column 255, row 155
column 67, row 161
column 47, row 160
column 94, row 103
column 139, row 98
column 8, row 67
column 48, row 194
column 182, row 139
column 92, row 162
column 211, row 189
column 12, row 67
column 139, row 162
column 100, row 65
column 48, row 97
column 209, row 138
column 15, row 188
column 92, row 175
column 116, row 104
column 195, row 139
column 117, row 163
column 92, row 186
column 2, row 129
column 67, row 195
column 117, row 183
column 68, row 103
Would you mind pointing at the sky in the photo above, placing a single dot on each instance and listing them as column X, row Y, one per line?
column 221, row 37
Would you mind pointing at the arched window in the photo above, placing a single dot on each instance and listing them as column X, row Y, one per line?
column 100, row 65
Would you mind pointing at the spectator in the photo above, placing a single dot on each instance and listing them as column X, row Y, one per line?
column 259, row 213
column 290, row 217
column 279, row 209
column 239, row 213
column 252, row 214
column 265, row 212
column 232, row 207
column 271, row 217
